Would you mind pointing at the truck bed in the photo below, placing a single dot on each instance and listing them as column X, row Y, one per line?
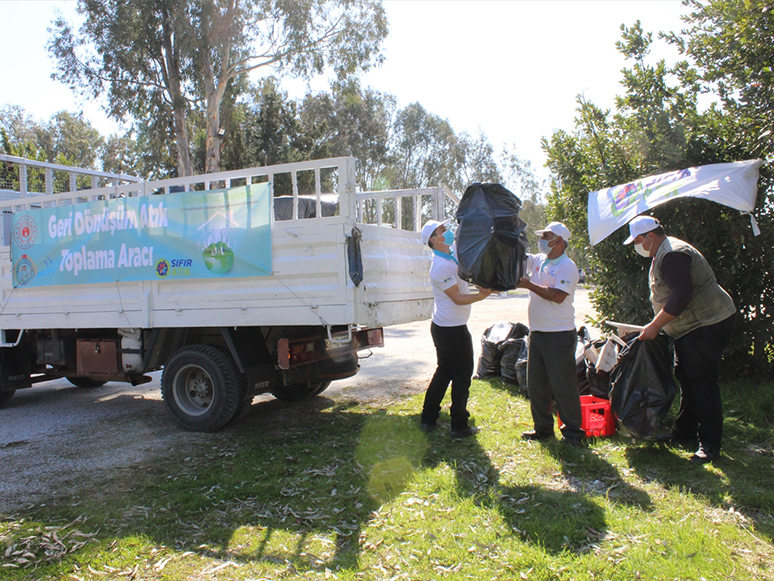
column 310, row 283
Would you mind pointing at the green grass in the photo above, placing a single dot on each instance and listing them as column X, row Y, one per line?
column 321, row 490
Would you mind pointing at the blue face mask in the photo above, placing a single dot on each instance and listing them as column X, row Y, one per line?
column 543, row 246
column 448, row 237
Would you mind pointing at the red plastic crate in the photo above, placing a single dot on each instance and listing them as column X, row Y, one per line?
column 596, row 416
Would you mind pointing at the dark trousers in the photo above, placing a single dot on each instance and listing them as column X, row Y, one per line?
column 697, row 365
column 552, row 375
column 454, row 348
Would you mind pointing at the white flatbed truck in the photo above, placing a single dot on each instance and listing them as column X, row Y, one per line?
column 343, row 265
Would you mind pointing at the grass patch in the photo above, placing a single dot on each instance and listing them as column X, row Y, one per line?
column 324, row 490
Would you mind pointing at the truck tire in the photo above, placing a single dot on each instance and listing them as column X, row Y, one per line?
column 245, row 401
column 299, row 391
column 6, row 395
column 80, row 381
column 201, row 388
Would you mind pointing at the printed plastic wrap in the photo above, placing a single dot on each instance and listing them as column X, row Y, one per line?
column 491, row 238
column 641, row 386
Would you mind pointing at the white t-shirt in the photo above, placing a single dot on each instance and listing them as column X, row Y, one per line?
column 560, row 274
column 443, row 275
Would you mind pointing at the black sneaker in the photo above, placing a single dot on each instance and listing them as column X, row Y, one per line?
column 427, row 426
column 464, row 433
column 677, row 441
column 536, row 436
column 571, row 441
column 705, row 455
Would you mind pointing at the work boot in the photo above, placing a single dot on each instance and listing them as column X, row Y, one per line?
column 677, row 441
column 536, row 436
column 464, row 432
column 572, row 441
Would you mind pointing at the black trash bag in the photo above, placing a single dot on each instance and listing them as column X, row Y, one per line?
column 521, row 366
column 598, row 381
column 491, row 238
column 307, row 206
column 491, row 340
column 513, row 365
column 641, row 386
column 584, row 342
column 511, row 349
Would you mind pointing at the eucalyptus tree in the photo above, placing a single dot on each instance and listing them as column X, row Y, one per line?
column 157, row 59
column 351, row 120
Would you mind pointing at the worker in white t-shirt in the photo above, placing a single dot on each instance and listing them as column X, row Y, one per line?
column 551, row 372
column 449, row 329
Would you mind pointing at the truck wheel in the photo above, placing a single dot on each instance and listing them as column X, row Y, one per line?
column 201, row 388
column 85, row 382
column 299, row 391
column 245, row 401
column 6, row 395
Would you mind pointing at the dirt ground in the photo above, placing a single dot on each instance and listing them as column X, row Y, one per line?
column 54, row 436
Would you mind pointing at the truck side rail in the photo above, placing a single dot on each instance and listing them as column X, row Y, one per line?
column 28, row 183
column 387, row 207
column 315, row 178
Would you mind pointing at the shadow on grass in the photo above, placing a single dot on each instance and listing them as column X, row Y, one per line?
column 292, row 486
column 741, row 478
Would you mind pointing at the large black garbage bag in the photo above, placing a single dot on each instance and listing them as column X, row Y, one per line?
column 513, row 365
column 491, row 342
column 641, row 386
column 598, row 381
column 491, row 238
column 584, row 342
column 511, row 350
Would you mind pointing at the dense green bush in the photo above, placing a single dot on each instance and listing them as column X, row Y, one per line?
column 658, row 127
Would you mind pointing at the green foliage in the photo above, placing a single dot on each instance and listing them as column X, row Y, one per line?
column 658, row 127
column 172, row 64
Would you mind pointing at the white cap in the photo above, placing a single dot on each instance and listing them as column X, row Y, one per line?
column 641, row 225
column 430, row 227
column 557, row 228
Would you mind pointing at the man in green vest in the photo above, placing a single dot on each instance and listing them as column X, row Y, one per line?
column 698, row 315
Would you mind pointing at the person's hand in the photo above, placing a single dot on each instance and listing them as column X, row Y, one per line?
column 484, row 292
column 523, row 282
column 649, row 332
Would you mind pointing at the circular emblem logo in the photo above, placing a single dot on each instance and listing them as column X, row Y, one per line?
column 26, row 232
column 24, row 271
column 162, row 268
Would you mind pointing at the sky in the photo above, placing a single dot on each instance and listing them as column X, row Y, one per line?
column 510, row 69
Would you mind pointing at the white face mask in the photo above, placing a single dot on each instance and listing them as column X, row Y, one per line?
column 641, row 251
column 543, row 246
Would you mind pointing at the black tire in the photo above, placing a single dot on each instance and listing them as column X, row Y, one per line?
column 299, row 391
column 6, row 395
column 86, row 382
column 245, row 401
column 201, row 388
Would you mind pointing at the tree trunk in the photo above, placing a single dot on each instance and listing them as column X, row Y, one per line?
column 181, row 137
column 213, row 137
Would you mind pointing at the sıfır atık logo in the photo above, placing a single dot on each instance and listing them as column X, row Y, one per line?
column 162, row 268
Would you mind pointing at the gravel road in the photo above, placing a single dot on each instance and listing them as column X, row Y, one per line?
column 54, row 436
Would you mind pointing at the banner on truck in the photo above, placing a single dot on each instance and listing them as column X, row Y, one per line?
column 189, row 235
column 731, row 184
